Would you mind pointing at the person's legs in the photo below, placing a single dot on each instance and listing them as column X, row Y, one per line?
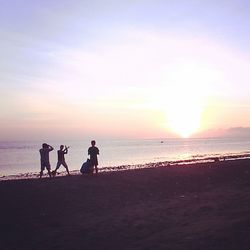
column 57, row 167
column 42, row 168
column 66, row 166
column 94, row 164
column 49, row 173
column 48, row 169
column 41, row 174
column 96, row 169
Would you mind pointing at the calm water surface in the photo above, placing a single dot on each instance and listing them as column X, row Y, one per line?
column 23, row 156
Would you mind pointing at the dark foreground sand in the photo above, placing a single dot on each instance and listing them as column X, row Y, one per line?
column 200, row 206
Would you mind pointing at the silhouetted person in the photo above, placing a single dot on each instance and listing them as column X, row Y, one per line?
column 44, row 153
column 93, row 151
column 61, row 159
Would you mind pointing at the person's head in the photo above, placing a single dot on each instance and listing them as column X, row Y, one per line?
column 61, row 147
column 44, row 145
column 93, row 143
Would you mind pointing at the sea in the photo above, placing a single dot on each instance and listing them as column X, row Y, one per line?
column 20, row 157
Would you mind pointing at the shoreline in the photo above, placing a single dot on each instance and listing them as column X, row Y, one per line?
column 190, row 161
column 22, row 158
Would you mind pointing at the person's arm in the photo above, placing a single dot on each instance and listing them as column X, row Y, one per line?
column 65, row 150
column 50, row 148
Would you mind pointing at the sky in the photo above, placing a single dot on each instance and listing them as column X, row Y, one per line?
column 124, row 69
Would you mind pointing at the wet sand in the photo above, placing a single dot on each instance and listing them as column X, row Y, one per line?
column 196, row 206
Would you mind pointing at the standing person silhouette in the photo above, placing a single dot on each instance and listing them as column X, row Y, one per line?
column 93, row 151
column 44, row 153
column 61, row 159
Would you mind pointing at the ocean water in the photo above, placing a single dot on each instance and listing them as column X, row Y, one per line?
column 19, row 157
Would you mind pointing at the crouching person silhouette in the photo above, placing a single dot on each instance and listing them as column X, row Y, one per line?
column 61, row 159
column 44, row 153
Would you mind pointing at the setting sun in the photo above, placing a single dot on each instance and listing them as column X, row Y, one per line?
column 184, row 119
column 185, row 102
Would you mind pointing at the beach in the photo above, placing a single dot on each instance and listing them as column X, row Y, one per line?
column 190, row 206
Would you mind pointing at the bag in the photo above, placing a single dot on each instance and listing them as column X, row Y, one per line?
column 87, row 168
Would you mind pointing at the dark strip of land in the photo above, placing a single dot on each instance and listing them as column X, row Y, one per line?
column 196, row 206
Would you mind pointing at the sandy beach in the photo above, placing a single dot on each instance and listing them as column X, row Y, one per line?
column 196, row 206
